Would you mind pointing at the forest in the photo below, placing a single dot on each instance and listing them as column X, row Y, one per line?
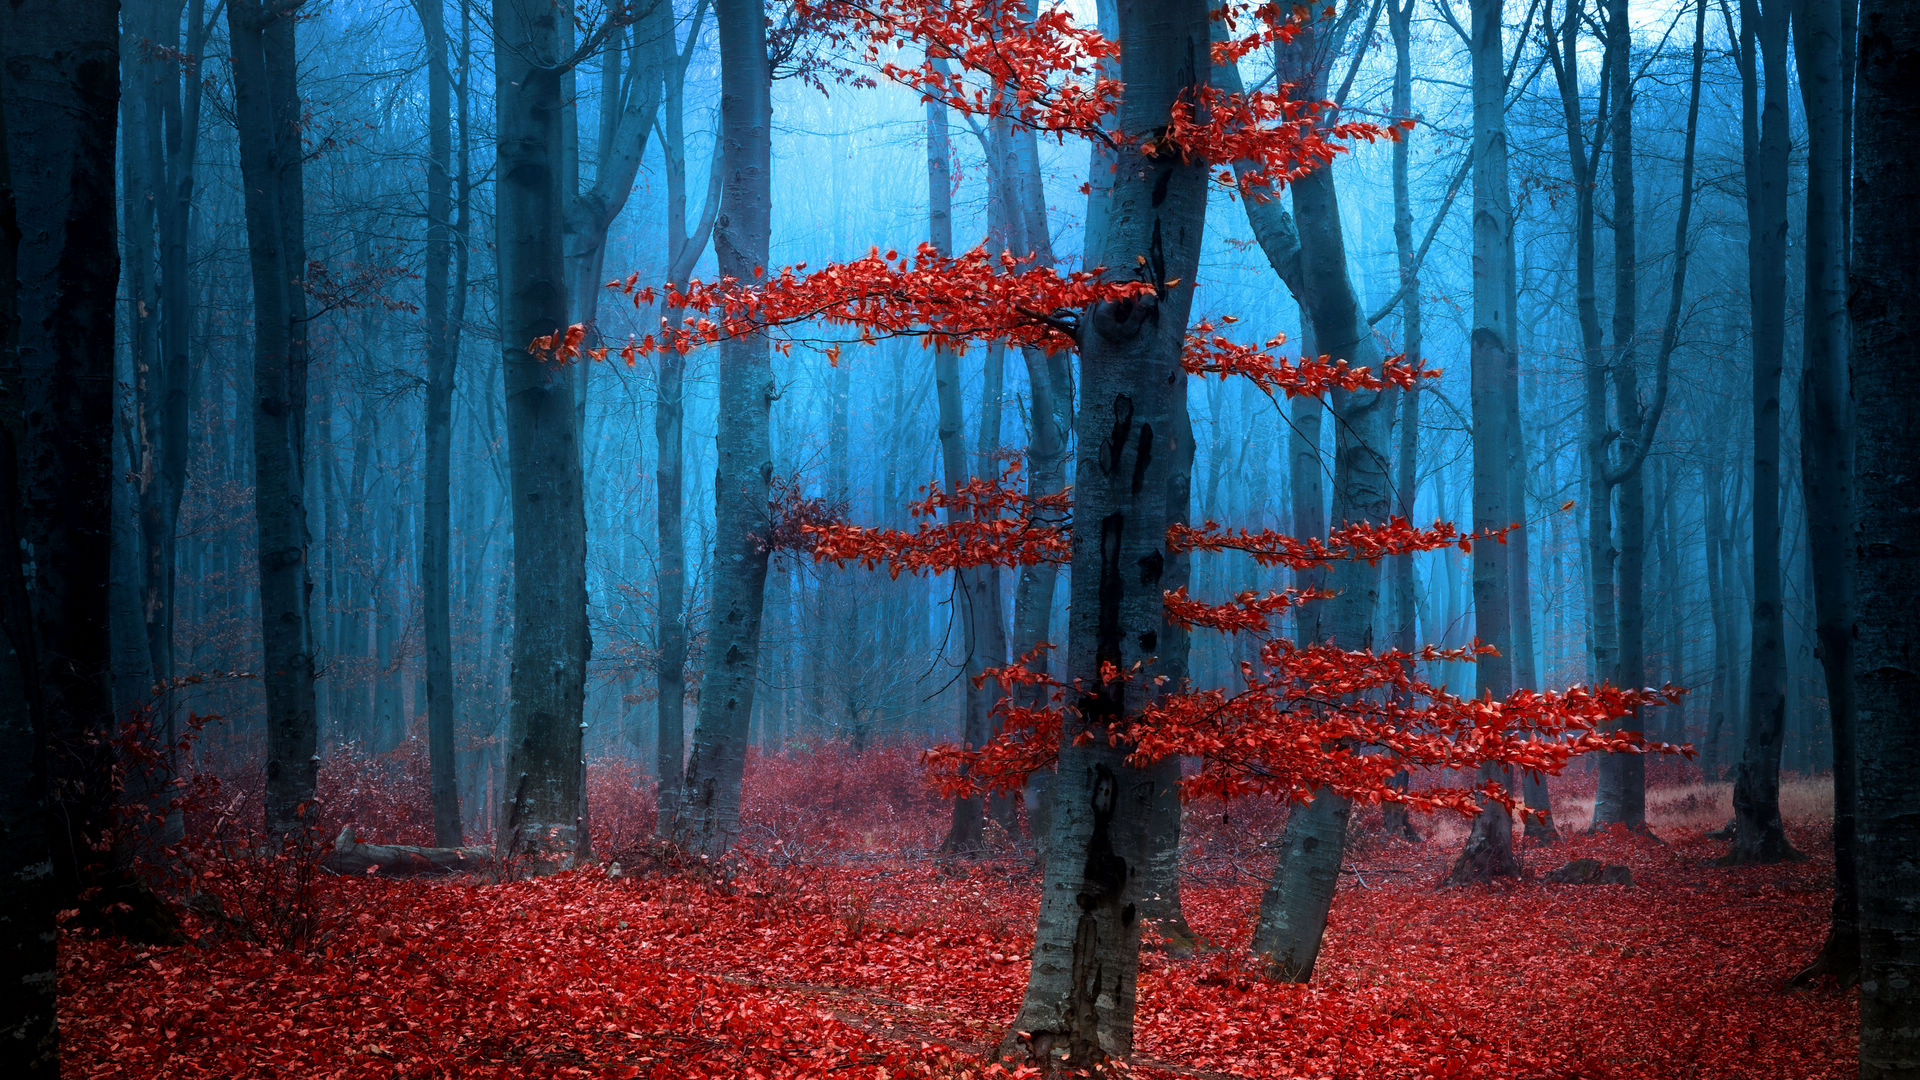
column 955, row 539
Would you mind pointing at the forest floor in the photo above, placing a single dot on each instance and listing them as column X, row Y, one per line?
column 829, row 953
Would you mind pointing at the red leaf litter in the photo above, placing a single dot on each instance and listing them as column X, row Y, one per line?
column 840, row 947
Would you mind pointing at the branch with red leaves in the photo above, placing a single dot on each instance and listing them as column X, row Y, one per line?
column 1208, row 353
column 1037, row 69
column 990, row 522
column 1362, row 540
column 1319, row 717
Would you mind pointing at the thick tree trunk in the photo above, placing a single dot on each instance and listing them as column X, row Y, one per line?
column 1489, row 850
column 59, row 87
column 1886, row 537
column 1133, row 472
column 542, row 809
column 1822, row 39
column 1759, row 835
column 709, row 811
column 267, row 113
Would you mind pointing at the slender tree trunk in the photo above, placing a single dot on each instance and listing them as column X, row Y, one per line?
column 669, row 429
column 267, row 112
column 1885, row 567
column 443, row 348
column 543, row 805
column 1621, row 797
column 1133, row 472
column 1400, row 590
column 1720, row 688
column 1489, row 850
column 709, row 810
column 1822, row 39
column 1050, row 420
column 1759, row 835
column 59, row 271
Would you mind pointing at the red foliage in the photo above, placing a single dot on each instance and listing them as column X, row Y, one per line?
column 988, row 523
column 1036, row 68
column 859, row 965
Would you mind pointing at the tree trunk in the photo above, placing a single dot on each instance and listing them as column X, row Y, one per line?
column 709, row 811
column 59, row 87
column 1489, row 850
column 1133, row 471
column 1401, row 606
column 543, row 804
column 1823, row 44
column 267, row 113
column 669, row 430
column 1759, row 835
column 1885, row 570
column 443, row 348
column 1621, row 796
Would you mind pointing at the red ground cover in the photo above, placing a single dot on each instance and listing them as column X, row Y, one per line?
column 832, row 955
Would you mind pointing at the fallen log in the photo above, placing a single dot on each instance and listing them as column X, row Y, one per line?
column 350, row 856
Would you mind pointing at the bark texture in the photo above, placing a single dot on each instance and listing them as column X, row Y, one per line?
column 59, row 270
column 542, row 810
column 1884, row 308
column 1133, row 468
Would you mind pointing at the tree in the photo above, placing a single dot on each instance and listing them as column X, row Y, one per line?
column 709, row 808
column 684, row 247
column 1310, row 715
column 543, row 801
column 1495, row 363
column 1823, row 47
column 162, row 135
column 445, row 307
column 59, row 270
column 1759, row 835
column 1885, row 544
column 266, row 110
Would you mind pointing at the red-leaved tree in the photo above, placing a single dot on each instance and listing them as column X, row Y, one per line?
column 1325, row 715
